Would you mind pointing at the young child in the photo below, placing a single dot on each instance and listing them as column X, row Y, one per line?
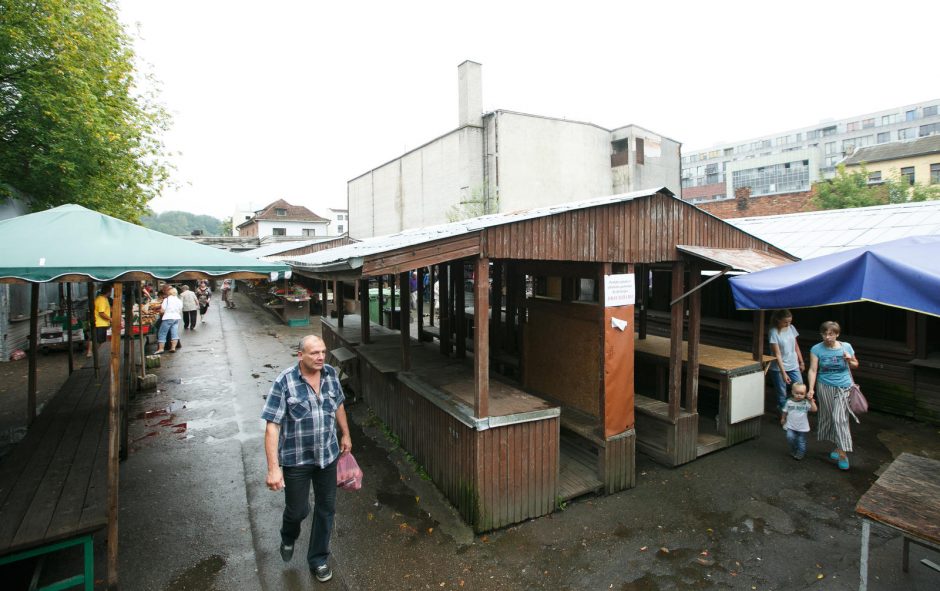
column 795, row 419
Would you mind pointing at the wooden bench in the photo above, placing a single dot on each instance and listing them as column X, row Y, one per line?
column 53, row 484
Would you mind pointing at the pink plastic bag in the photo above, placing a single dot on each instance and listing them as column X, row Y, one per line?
column 348, row 473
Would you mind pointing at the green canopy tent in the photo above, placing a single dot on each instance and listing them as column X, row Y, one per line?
column 71, row 244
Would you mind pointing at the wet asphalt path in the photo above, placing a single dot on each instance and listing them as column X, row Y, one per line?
column 195, row 513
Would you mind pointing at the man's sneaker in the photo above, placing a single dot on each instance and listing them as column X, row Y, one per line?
column 287, row 552
column 323, row 573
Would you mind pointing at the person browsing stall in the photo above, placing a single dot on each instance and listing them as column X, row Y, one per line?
column 305, row 434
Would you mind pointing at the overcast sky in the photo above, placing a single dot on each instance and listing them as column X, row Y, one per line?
column 291, row 99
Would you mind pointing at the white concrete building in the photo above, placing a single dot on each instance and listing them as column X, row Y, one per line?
column 280, row 218
column 503, row 161
column 339, row 221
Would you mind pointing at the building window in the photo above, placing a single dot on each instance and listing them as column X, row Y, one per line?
column 907, row 174
column 830, row 147
column 790, row 177
column 853, row 126
column 930, row 111
column 827, row 131
column 908, row 133
column 874, row 178
column 339, row 229
column 585, row 290
column 935, row 174
column 929, row 129
column 910, row 115
column 639, row 151
column 889, row 119
column 279, row 231
column 866, row 123
column 884, row 137
column 280, row 211
column 310, row 231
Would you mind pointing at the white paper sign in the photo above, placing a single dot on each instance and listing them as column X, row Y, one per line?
column 618, row 323
column 619, row 290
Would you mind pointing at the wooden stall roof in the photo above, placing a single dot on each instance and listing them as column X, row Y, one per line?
column 639, row 227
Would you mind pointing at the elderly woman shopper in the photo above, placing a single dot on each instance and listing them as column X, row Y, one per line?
column 830, row 378
column 172, row 309
column 190, row 307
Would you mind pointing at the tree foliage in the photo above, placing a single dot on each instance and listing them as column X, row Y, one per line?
column 852, row 189
column 73, row 129
column 182, row 223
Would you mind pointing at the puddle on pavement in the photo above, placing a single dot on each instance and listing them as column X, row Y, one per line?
column 174, row 406
column 201, row 576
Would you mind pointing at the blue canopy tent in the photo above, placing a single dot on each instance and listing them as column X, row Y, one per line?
column 902, row 273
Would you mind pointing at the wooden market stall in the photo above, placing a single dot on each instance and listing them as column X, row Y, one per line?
column 546, row 299
column 84, row 245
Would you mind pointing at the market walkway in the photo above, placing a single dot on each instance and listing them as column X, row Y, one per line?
column 195, row 513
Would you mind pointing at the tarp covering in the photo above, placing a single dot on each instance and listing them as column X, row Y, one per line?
column 903, row 273
column 71, row 240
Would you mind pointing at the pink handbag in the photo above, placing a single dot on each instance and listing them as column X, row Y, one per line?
column 348, row 473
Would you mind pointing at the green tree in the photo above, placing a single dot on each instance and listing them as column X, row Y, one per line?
column 225, row 228
column 182, row 223
column 851, row 189
column 73, row 129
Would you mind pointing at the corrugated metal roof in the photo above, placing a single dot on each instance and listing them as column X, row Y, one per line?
column 278, row 247
column 351, row 255
column 816, row 233
column 895, row 150
column 738, row 259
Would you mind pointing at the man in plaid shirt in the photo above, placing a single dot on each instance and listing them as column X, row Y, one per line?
column 302, row 411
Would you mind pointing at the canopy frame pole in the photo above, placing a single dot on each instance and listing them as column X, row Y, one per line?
column 114, row 439
column 68, row 321
column 675, row 340
column 33, row 352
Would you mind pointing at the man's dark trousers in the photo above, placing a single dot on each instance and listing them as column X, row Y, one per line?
column 297, row 481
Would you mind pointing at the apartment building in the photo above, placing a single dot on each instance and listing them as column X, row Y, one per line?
column 791, row 161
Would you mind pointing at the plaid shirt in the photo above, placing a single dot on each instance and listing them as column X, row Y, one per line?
column 308, row 422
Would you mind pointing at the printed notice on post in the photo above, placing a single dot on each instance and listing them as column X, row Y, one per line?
column 619, row 290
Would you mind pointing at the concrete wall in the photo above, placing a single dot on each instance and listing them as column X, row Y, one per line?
column 424, row 187
column 544, row 161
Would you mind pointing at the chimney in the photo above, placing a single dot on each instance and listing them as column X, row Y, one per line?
column 470, row 94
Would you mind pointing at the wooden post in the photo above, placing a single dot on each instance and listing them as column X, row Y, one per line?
column 444, row 292
column 364, row 311
column 324, row 306
column 757, row 346
column 642, row 293
column 68, row 322
column 695, row 326
column 381, row 300
column 140, row 329
column 340, row 304
column 675, row 343
column 420, row 308
column 457, row 277
column 404, row 322
column 114, row 439
column 508, row 338
column 433, row 271
column 496, row 318
column 31, row 381
column 127, row 376
column 481, row 338
column 94, row 326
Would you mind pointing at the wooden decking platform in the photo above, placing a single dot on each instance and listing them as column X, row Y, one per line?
column 577, row 470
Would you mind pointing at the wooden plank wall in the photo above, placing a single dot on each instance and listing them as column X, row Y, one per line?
column 619, row 457
column 743, row 430
column 643, row 230
column 495, row 477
